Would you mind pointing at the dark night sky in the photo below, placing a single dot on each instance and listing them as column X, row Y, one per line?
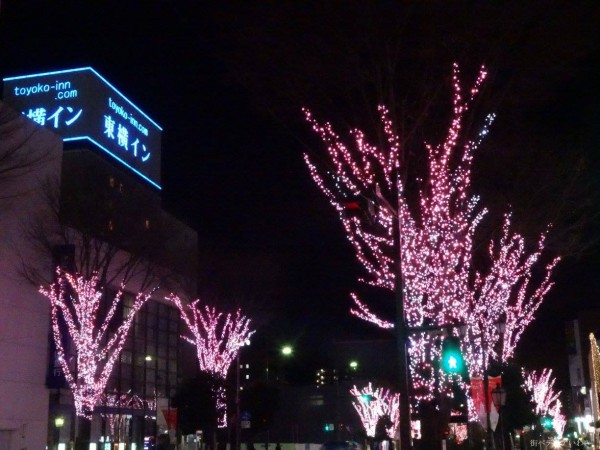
column 232, row 148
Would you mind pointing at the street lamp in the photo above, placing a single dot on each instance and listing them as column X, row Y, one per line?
column 499, row 399
column 59, row 421
column 287, row 350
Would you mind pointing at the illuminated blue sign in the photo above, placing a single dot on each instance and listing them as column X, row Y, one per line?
column 80, row 105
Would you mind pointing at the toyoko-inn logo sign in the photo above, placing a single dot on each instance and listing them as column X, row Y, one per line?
column 80, row 105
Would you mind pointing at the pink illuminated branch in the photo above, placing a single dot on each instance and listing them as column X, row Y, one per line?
column 435, row 255
column 218, row 339
column 373, row 404
column 559, row 421
column 117, row 422
column 541, row 387
column 75, row 301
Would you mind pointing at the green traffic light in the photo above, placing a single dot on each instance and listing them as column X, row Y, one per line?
column 547, row 422
column 366, row 398
column 452, row 359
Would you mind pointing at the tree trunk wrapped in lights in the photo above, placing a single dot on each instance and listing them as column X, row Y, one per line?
column 434, row 258
column 118, row 422
column 75, row 301
column 218, row 339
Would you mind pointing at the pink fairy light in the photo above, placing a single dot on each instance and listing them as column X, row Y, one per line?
column 559, row 421
column 76, row 300
column 540, row 384
column 118, row 422
column 218, row 339
column 440, row 283
column 373, row 404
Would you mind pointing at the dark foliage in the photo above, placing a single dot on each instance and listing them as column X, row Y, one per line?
column 195, row 404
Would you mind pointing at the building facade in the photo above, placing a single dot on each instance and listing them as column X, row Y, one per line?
column 86, row 201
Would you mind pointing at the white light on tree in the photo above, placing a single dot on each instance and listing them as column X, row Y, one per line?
column 75, row 301
column 441, row 284
column 218, row 338
column 373, row 404
column 540, row 385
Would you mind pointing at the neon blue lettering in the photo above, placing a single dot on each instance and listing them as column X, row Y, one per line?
column 118, row 109
column 66, row 94
column 62, row 85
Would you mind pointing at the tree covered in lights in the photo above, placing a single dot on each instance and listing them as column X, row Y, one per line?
column 218, row 338
column 372, row 405
column 119, row 421
column 75, row 305
column 424, row 241
column 540, row 385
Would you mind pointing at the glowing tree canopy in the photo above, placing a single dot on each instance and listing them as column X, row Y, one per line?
column 75, row 301
column 218, row 339
column 428, row 242
column 540, row 385
column 559, row 420
column 373, row 404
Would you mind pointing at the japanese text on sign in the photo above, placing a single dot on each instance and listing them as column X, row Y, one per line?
column 80, row 105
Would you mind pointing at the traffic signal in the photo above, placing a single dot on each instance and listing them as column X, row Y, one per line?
column 452, row 358
column 366, row 398
column 546, row 422
column 329, row 427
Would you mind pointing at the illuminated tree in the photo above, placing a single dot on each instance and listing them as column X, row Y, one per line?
column 117, row 421
column 425, row 241
column 218, row 339
column 75, row 303
column 373, row 404
column 541, row 387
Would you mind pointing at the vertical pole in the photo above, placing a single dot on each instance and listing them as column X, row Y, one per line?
column 237, row 403
column 502, row 427
column 486, row 384
column 337, row 406
column 401, row 342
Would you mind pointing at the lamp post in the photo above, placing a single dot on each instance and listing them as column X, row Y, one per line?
column 499, row 399
column 500, row 326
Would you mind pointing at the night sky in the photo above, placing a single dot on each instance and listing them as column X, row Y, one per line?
column 226, row 81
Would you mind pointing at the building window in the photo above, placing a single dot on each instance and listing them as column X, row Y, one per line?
column 316, row 400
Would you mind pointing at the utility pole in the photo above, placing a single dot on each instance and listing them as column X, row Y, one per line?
column 402, row 343
column 237, row 403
